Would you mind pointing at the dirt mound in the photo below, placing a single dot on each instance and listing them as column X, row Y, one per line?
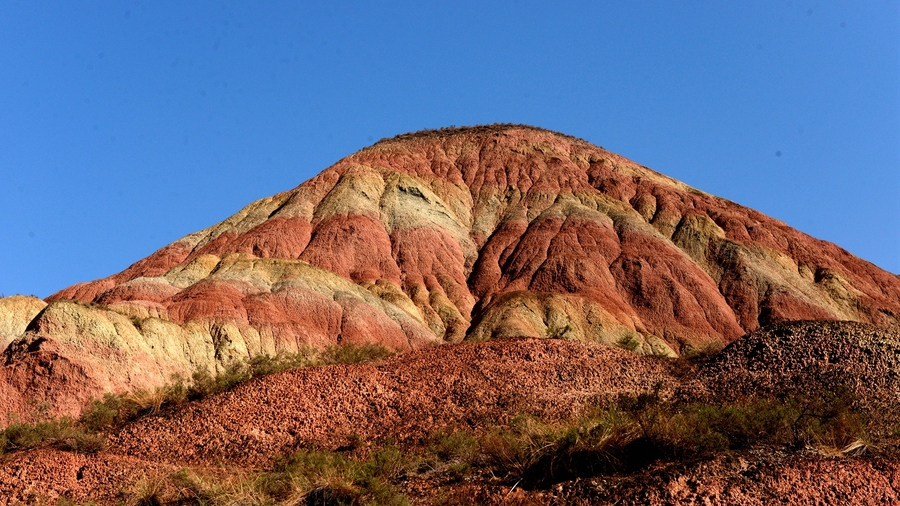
column 759, row 478
column 44, row 475
column 814, row 359
column 406, row 398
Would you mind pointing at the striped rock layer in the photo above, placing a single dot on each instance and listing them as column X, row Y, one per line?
column 443, row 236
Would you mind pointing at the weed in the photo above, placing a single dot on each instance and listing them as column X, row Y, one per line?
column 266, row 364
column 625, row 436
column 205, row 384
column 323, row 477
column 389, row 463
column 701, row 353
column 116, row 409
column 147, row 491
column 639, row 430
column 64, row 433
column 454, row 447
column 354, row 353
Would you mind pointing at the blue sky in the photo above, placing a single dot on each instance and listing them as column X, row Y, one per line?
column 126, row 125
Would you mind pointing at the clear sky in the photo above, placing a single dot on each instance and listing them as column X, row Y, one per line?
column 126, row 125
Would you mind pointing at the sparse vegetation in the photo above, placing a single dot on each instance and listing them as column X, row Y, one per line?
column 452, row 451
column 620, row 436
column 624, row 436
column 64, row 433
column 628, row 341
column 636, row 431
column 528, row 452
column 354, row 354
column 473, row 130
column 85, row 435
column 701, row 353
column 308, row 476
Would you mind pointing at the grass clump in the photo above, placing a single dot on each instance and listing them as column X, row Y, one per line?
column 700, row 430
column 636, row 431
column 701, row 353
column 64, row 433
column 324, row 477
column 307, row 476
column 623, row 436
column 114, row 410
column 205, row 384
column 536, row 453
column 354, row 353
column 452, row 451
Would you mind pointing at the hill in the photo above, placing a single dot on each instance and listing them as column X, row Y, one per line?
column 444, row 236
column 486, row 315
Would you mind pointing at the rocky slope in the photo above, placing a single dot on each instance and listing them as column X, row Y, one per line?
column 477, row 386
column 815, row 359
column 443, row 236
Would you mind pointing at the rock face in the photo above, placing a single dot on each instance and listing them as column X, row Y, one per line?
column 15, row 314
column 442, row 236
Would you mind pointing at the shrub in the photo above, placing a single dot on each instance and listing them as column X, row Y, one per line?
column 205, row 384
column 116, row 409
column 560, row 331
column 388, row 463
column 266, row 364
column 354, row 353
column 516, row 450
column 455, row 446
column 639, row 430
column 324, row 477
column 701, row 353
column 64, row 433
column 453, row 452
column 536, row 453
column 113, row 409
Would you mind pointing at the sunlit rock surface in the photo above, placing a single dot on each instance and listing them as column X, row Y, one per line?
column 443, row 236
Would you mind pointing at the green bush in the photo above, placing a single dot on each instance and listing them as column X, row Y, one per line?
column 453, row 452
column 535, row 453
column 354, row 353
column 266, row 364
column 205, row 384
column 325, row 477
column 116, row 409
column 64, row 433
column 453, row 446
column 389, row 463
column 639, row 430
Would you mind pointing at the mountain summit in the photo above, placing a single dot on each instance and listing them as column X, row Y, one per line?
column 442, row 236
